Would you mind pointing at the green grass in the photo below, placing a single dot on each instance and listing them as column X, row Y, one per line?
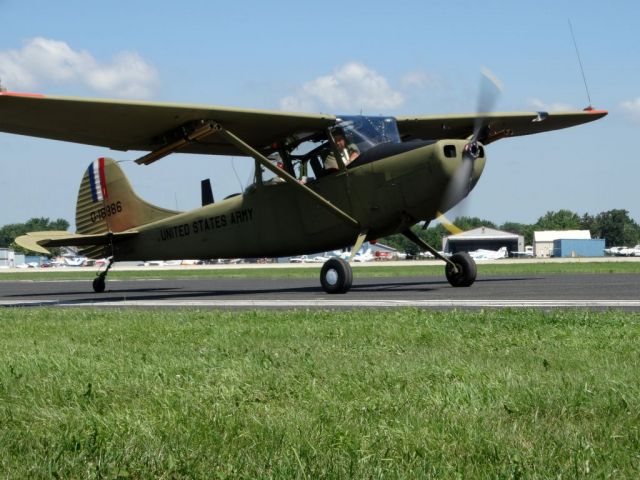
column 399, row 394
column 381, row 270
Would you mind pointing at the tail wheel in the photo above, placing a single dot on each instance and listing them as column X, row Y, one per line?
column 336, row 276
column 99, row 284
column 466, row 270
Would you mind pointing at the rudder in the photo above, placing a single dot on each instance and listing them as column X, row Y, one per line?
column 107, row 202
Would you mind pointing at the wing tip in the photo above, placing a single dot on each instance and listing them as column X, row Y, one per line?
column 595, row 111
column 6, row 93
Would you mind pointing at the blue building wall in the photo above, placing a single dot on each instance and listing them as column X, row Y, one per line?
column 578, row 248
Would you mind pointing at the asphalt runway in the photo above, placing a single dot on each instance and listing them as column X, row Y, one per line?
column 598, row 291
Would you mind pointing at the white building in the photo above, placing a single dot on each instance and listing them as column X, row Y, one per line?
column 7, row 258
column 543, row 241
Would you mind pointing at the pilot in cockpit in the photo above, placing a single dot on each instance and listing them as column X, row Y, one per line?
column 348, row 151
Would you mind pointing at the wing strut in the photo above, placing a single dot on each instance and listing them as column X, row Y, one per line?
column 204, row 128
column 241, row 145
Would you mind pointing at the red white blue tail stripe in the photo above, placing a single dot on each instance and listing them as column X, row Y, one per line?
column 97, row 180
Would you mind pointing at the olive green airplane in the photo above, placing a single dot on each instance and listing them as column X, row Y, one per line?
column 321, row 183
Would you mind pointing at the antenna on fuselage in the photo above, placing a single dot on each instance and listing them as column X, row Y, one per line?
column 584, row 78
column 235, row 172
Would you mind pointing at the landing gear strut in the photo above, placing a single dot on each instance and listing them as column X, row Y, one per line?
column 99, row 283
column 460, row 268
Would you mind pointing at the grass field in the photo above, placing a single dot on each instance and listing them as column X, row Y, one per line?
column 399, row 394
column 379, row 270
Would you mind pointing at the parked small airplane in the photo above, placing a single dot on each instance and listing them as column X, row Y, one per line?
column 614, row 251
column 629, row 251
column 321, row 182
column 366, row 256
column 308, row 259
column 527, row 253
column 69, row 261
column 482, row 254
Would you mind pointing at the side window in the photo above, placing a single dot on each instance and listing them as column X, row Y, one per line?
column 268, row 177
column 307, row 157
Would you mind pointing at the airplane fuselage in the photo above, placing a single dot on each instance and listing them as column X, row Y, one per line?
column 385, row 196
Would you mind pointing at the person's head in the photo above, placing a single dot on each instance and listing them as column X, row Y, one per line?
column 340, row 139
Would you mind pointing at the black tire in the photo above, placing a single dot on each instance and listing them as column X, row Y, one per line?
column 99, row 285
column 336, row 276
column 466, row 274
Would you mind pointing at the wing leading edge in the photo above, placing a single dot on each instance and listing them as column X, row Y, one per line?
column 498, row 125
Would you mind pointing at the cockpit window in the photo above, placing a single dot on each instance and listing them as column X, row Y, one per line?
column 310, row 155
column 367, row 132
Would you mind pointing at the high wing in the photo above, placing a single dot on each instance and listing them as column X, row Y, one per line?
column 146, row 126
column 498, row 125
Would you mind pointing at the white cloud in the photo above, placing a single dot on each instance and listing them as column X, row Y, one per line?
column 420, row 80
column 350, row 87
column 43, row 61
column 632, row 107
column 128, row 75
column 539, row 105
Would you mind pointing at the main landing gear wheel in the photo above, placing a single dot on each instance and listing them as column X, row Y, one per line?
column 98, row 284
column 466, row 270
column 336, row 276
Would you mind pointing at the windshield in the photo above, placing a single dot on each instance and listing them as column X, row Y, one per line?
column 368, row 132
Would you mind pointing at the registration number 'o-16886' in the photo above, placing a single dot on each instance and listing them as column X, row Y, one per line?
column 106, row 211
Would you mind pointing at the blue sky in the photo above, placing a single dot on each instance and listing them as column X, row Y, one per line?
column 386, row 57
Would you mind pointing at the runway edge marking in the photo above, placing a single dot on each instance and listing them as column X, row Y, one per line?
column 362, row 303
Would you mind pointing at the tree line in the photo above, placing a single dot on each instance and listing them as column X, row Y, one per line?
column 616, row 227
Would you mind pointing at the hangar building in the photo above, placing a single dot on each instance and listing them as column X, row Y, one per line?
column 485, row 238
column 543, row 240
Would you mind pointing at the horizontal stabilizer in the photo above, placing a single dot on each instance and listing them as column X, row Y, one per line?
column 40, row 241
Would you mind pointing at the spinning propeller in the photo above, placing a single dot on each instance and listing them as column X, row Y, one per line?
column 460, row 183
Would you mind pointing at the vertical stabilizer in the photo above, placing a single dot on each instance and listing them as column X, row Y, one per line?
column 107, row 203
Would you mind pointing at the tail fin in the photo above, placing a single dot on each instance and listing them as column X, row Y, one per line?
column 107, row 203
